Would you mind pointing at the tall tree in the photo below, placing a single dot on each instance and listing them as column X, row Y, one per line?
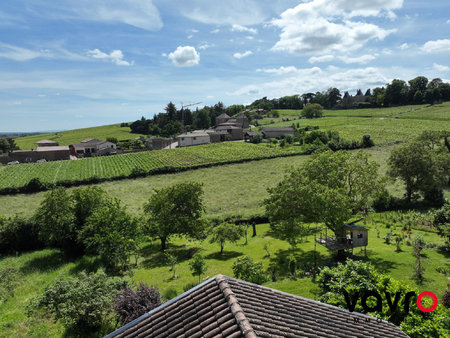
column 171, row 111
column 327, row 189
column 113, row 234
column 57, row 221
column 175, row 211
column 423, row 165
column 226, row 232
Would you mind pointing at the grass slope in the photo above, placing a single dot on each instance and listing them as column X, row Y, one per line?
column 75, row 136
column 42, row 268
column 385, row 125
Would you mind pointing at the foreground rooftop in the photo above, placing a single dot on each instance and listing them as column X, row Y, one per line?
column 226, row 307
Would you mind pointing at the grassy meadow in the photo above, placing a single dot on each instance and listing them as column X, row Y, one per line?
column 385, row 125
column 41, row 268
column 65, row 138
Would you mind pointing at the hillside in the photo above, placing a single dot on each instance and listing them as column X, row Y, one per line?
column 76, row 135
column 385, row 125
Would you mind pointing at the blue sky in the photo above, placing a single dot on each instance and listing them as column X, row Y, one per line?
column 70, row 64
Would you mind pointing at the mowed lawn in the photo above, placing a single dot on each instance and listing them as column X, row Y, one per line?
column 42, row 268
column 75, row 136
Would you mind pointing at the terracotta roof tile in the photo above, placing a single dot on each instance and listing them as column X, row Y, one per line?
column 227, row 307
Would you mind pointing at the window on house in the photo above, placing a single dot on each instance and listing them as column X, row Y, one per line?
column 360, row 235
column 195, row 138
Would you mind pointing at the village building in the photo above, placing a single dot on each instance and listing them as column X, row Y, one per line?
column 46, row 143
column 93, row 147
column 227, row 307
column 277, row 132
column 195, row 138
column 157, row 143
column 47, row 153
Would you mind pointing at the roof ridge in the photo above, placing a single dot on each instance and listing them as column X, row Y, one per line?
column 235, row 308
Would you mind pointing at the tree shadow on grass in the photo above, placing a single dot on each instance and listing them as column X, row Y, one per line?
column 87, row 264
column 445, row 251
column 305, row 260
column 52, row 261
column 158, row 258
column 226, row 255
column 380, row 264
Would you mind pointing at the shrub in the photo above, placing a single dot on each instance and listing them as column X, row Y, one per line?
column 367, row 142
column 312, row 110
column 83, row 303
column 446, row 299
column 244, row 268
column 131, row 304
column 170, row 293
column 34, row 185
column 257, row 138
column 9, row 277
column 19, row 235
column 138, row 172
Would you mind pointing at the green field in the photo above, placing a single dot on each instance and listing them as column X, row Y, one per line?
column 122, row 165
column 41, row 268
column 385, row 125
column 233, row 189
column 75, row 136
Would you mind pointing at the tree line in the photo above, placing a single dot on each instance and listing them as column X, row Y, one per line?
column 396, row 93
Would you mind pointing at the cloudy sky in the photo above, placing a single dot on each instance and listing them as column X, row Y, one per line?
column 77, row 63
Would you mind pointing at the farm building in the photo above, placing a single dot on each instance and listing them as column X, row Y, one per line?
column 93, row 147
column 227, row 307
column 48, row 153
column 195, row 138
column 46, row 143
column 277, row 132
column 236, row 133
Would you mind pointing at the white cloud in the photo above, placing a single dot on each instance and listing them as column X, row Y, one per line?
column 242, row 55
column 185, row 56
column 436, row 46
column 441, row 68
column 323, row 58
column 291, row 80
column 448, row 22
column 239, row 28
column 116, row 56
column 230, row 12
column 404, row 46
column 18, row 53
column 323, row 27
column 141, row 14
column 190, row 36
column 360, row 59
column 55, row 51
column 215, row 31
column 205, row 45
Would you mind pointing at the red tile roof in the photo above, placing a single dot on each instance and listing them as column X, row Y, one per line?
column 227, row 307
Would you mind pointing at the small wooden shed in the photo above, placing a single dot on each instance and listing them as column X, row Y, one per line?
column 355, row 236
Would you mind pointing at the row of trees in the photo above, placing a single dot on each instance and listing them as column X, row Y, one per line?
column 175, row 121
column 398, row 92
